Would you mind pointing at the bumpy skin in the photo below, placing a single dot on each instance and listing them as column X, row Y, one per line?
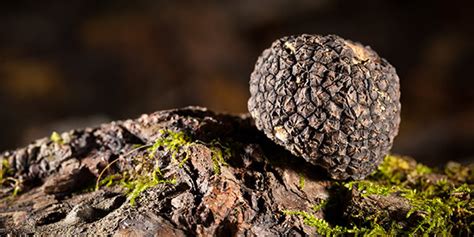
column 331, row 101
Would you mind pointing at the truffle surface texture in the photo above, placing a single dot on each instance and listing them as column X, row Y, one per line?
column 332, row 101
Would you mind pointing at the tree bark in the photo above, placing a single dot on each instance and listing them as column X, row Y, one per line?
column 249, row 194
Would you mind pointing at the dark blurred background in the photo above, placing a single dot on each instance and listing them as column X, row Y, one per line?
column 79, row 63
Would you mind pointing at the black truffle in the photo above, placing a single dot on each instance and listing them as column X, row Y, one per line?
column 334, row 102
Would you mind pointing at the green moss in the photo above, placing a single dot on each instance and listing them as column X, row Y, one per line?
column 7, row 180
column 16, row 187
column 137, row 185
column 321, row 205
column 398, row 169
column 219, row 154
column 56, row 138
column 367, row 188
column 461, row 173
column 5, row 170
column 439, row 206
column 109, row 180
column 442, row 207
column 148, row 173
column 301, row 181
column 322, row 227
column 173, row 142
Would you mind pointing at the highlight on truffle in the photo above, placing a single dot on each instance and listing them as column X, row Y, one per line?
column 332, row 101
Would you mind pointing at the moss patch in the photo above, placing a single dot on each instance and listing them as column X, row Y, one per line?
column 301, row 181
column 56, row 138
column 169, row 151
column 219, row 152
column 440, row 201
column 7, row 181
column 4, row 170
column 324, row 228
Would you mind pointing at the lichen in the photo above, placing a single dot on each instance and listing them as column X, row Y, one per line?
column 440, row 201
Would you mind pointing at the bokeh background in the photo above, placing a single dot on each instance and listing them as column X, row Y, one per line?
column 78, row 63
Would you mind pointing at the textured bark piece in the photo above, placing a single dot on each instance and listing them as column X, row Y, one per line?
column 247, row 198
column 332, row 101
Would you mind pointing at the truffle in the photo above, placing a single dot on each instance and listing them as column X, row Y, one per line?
column 332, row 101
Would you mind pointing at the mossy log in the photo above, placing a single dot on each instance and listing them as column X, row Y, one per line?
column 192, row 172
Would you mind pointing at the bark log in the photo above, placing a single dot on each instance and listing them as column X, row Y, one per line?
column 247, row 196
